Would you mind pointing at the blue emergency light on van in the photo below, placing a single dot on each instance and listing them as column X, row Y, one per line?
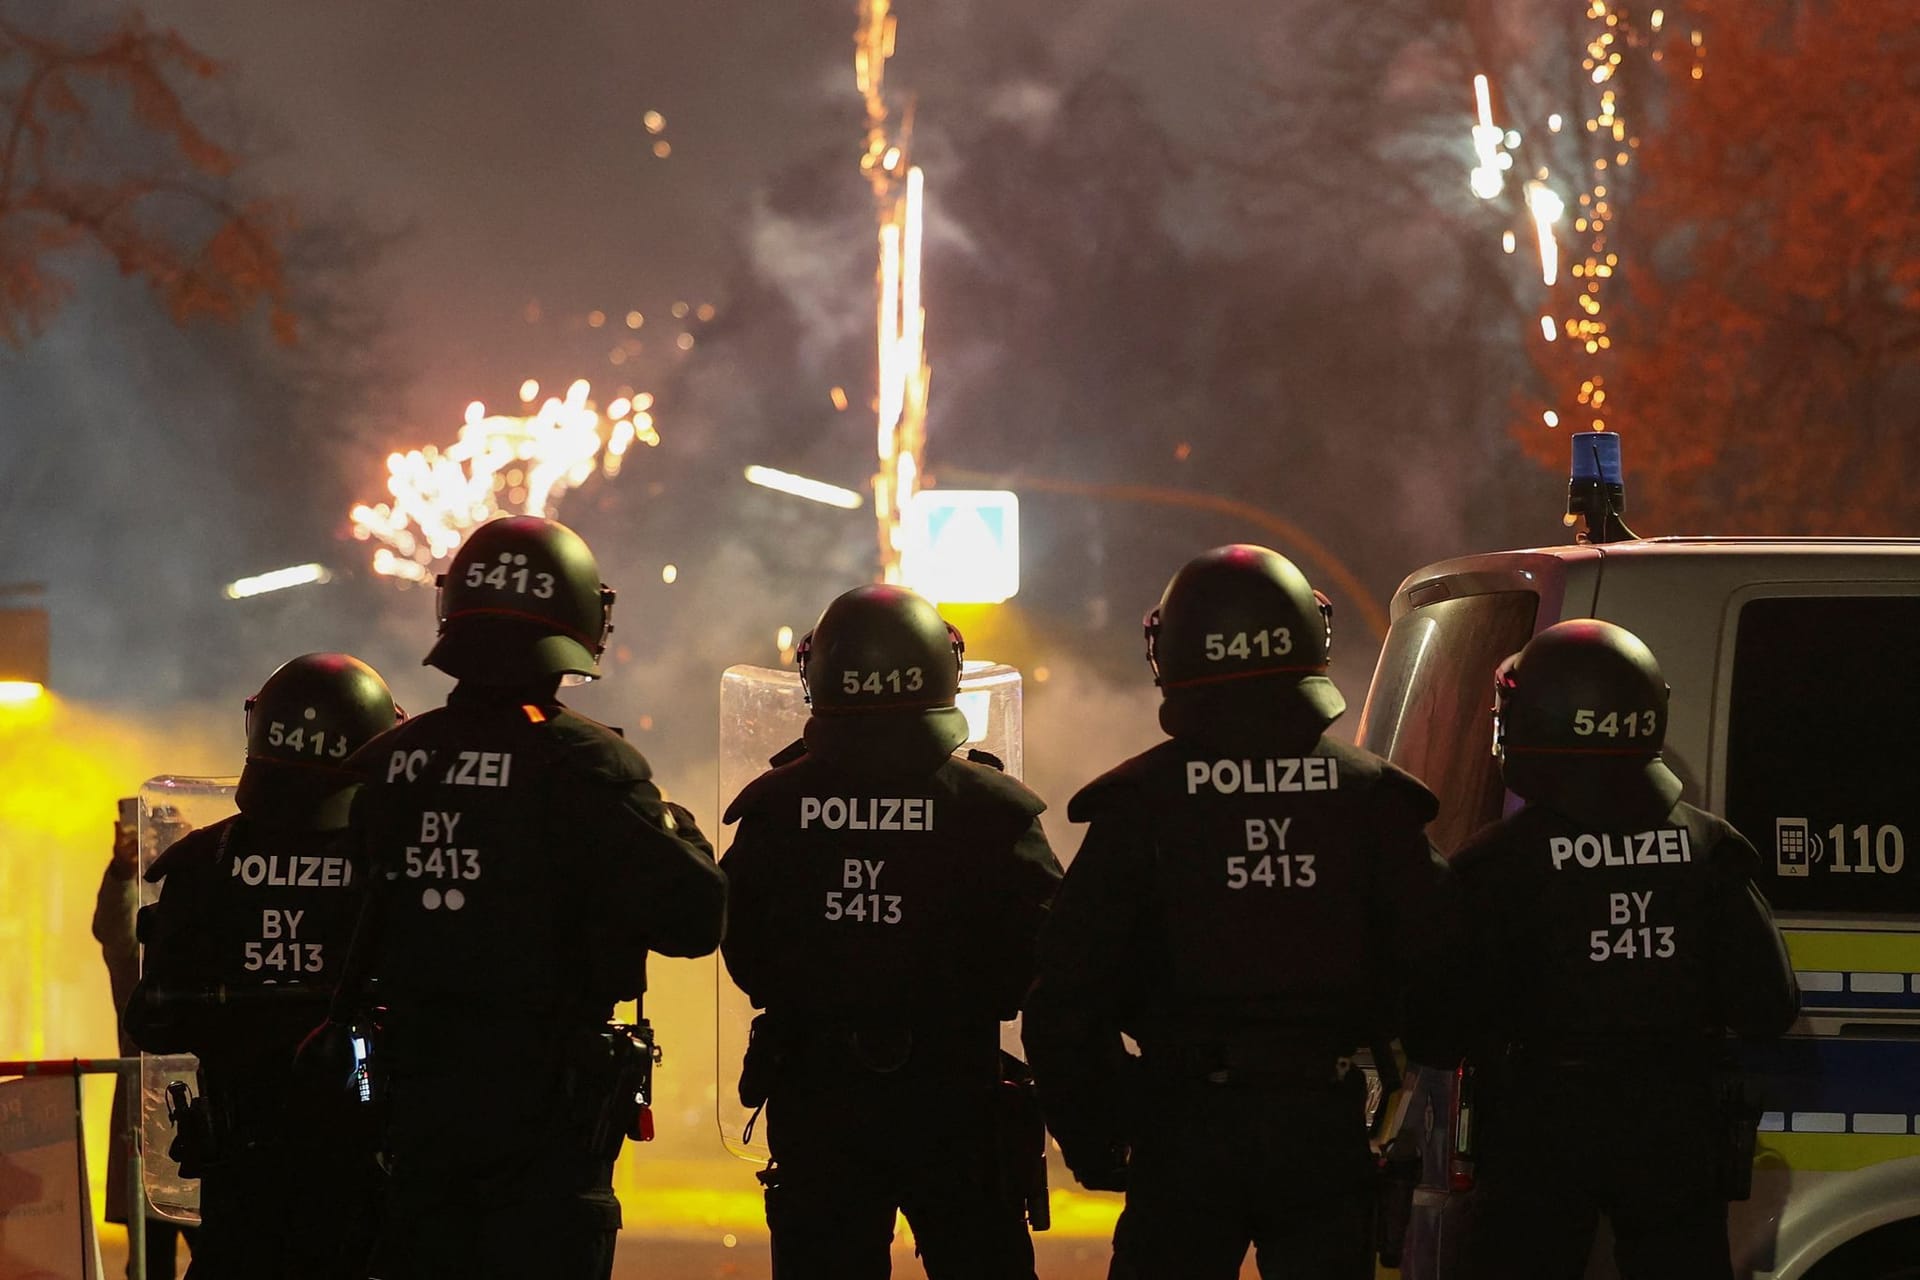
column 1595, row 494
column 1596, row 456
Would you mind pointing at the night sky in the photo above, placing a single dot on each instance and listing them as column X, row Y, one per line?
column 471, row 188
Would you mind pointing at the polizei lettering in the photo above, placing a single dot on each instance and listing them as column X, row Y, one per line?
column 293, row 871
column 1642, row 849
column 867, row 813
column 1259, row 777
column 471, row 769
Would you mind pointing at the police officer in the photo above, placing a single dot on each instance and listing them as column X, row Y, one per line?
column 1242, row 905
column 245, row 944
column 885, row 897
column 525, row 864
column 1622, row 937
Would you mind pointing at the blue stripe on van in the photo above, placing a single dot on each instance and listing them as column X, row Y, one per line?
column 1844, row 1075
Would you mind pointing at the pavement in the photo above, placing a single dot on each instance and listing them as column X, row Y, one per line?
column 641, row 1258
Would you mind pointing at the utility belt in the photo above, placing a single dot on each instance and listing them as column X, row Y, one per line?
column 215, row 1127
column 1260, row 1063
column 338, row 1064
column 784, row 1049
column 1021, row 1129
column 203, row 1135
column 607, row 1082
column 1732, row 1103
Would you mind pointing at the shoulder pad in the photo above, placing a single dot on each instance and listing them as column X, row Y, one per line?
column 1482, row 845
column 1118, row 786
column 1716, row 840
column 998, row 787
column 589, row 747
column 202, row 844
column 1422, row 805
column 986, row 758
column 370, row 761
column 789, row 753
column 757, row 796
column 1383, row 782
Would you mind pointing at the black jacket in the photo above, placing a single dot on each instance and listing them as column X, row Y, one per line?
column 1259, row 897
column 914, row 895
column 1588, row 937
column 524, row 860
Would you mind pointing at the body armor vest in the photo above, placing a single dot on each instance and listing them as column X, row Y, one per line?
column 1259, row 927
column 1602, row 936
column 882, row 894
column 267, row 904
column 474, row 855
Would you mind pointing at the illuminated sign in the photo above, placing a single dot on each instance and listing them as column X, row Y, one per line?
column 962, row 546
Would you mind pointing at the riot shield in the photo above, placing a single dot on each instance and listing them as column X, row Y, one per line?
column 761, row 712
column 169, row 808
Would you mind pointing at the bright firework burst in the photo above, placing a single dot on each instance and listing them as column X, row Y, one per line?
column 1602, row 146
column 899, row 194
column 500, row 465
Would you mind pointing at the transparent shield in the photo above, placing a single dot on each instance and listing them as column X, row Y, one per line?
column 169, row 808
column 761, row 712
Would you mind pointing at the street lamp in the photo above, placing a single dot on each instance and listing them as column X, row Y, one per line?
column 24, row 647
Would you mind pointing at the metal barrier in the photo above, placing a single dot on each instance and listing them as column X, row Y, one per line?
column 128, row 1069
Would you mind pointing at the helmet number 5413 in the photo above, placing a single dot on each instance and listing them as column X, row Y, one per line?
column 1271, row 643
column 1631, row 724
column 896, row 681
column 521, row 580
column 299, row 739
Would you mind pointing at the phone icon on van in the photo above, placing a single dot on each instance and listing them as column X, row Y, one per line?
column 1795, row 847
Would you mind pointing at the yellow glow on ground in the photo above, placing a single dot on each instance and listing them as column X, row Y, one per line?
column 1084, row 1213
column 65, row 766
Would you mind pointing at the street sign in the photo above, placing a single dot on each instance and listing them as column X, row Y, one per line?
column 962, row 546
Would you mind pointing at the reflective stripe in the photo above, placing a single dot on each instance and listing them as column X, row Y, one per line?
column 1896, row 983
column 1878, row 1122
column 1820, row 981
column 1773, row 1122
column 1819, row 1122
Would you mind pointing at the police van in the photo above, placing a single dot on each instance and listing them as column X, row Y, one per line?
column 1795, row 667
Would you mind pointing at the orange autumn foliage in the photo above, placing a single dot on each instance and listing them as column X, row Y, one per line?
column 1766, row 372
column 101, row 151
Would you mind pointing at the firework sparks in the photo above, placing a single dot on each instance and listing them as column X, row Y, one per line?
column 1488, row 177
column 1546, row 209
column 899, row 190
column 500, row 465
column 1605, row 145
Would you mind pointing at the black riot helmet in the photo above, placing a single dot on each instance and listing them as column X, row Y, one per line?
column 1241, row 612
column 522, row 601
column 316, row 711
column 881, row 669
column 880, row 648
column 1580, row 716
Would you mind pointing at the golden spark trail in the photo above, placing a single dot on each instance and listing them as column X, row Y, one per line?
column 902, row 376
column 1606, row 144
column 501, row 464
